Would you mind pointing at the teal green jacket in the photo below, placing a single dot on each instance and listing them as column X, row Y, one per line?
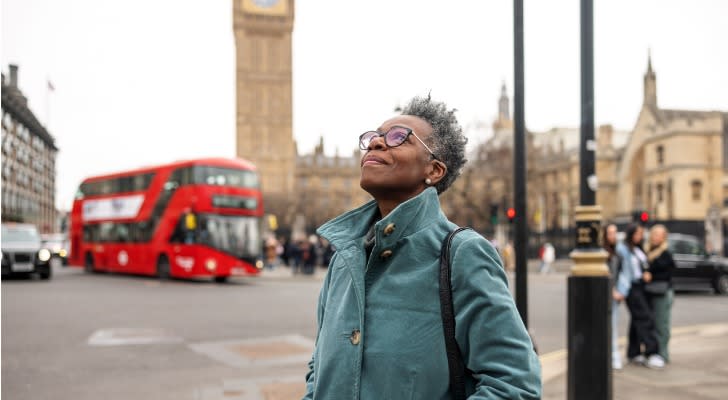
column 380, row 332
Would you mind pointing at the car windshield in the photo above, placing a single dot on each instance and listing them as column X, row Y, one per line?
column 686, row 246
column 19, row 234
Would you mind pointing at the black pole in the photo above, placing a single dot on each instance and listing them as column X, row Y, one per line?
column 519, row 167
column 587, row 145
column 589, row 286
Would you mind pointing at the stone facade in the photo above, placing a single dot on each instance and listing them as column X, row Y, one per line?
column 264, row 95
column 672, row 164
column 326, row 186
column 28, row 161
column 302, row 190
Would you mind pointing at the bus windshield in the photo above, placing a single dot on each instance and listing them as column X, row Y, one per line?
column 235, row 235
column 224, row 177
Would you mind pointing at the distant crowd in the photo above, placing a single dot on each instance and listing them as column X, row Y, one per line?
column 302, row 255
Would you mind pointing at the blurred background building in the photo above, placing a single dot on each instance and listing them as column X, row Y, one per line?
column 669, row 168
column 28, row 161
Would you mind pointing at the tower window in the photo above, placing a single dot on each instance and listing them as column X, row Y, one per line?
column 660, row 189
column 660, row 155
column 697, row 189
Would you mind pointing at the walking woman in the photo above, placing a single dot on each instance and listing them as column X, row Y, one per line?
column 380, row 331
column 631, row 284
column 660, row 287
column 614, row 261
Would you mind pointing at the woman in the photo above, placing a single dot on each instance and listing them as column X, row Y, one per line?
column 661, row 267
column 614, row 262
column 631, row 285
column 380, row 333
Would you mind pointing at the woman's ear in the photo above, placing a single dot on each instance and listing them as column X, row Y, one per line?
column 436, row 171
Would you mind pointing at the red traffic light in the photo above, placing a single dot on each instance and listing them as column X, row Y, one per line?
column 644, row 216
column 511, row 213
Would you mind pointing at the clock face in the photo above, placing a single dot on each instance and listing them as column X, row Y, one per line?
column 265, row 7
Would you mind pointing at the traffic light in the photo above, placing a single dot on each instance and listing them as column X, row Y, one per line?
column 494, row 214
column 511, row 214
column 642, row 217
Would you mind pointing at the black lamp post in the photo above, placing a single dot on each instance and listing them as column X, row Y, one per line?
column 589, row 287
column 519, row 167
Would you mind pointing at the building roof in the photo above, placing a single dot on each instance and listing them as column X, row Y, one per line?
column 16, row 104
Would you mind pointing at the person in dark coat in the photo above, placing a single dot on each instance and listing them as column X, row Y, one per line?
column 661, row 267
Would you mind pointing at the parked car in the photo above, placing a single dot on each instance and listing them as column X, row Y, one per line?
column 22, row 252
column 696, row 269
column 58, row 246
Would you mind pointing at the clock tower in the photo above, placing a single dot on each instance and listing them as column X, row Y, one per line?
column 264, row 95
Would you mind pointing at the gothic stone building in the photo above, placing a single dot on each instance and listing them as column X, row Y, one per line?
column 671, row 164
column 28, row 161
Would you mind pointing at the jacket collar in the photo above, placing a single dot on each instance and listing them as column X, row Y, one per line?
column 408, row 217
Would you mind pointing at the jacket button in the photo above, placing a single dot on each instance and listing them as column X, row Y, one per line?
column 386, row 254
column 355, row 337
column 389, row 229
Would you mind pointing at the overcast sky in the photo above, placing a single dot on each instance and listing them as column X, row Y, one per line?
column 142, row 82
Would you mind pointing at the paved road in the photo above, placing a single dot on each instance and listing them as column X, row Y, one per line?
column 82, row 336
column 47, row 328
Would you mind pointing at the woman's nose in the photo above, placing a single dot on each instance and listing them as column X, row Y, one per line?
column 377, row 143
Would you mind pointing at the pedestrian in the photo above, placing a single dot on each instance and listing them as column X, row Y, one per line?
column 659, row 287
column 284, row 250
column 548, row 255
column 296, row 256
column 614, row 262
column 271, row 252
column 508, row 257
column 328, row 252
column 308, row 255
column 642, row 346
column 380, row 331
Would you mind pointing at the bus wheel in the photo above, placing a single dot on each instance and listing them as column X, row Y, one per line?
column 221, row 279
column 88, row 264
column 163, row 268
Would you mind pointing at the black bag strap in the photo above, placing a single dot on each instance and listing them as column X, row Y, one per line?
column 454, row 358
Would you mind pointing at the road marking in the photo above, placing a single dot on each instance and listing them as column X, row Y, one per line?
column 277, row 350
column 131, row 336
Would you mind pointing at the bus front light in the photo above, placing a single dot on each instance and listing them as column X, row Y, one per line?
column 210, row 264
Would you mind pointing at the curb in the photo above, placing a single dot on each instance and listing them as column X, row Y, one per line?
column 554, row 364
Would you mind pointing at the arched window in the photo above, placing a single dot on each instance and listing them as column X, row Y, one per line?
column 660, row 193
column 660, row 155
column 697, row 189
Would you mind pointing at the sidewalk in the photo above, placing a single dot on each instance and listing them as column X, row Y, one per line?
column 697, row 369
column 283, row 272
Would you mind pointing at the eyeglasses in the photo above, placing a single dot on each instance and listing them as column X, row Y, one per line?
column 394, row 137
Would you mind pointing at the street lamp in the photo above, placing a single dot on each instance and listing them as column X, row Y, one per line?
column 589, row 288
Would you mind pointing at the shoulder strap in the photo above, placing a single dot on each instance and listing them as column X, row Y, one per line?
column 454, row 358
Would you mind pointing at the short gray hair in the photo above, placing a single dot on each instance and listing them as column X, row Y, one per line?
column 448, row 140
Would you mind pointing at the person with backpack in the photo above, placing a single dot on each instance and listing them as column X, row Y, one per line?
column 381, row 330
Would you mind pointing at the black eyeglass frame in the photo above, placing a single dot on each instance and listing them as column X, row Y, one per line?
column 386, row 142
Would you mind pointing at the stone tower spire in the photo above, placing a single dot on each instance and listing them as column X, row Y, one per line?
column 504, row 104
column 650, row 94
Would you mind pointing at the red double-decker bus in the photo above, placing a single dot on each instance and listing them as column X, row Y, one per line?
column 188, row 219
